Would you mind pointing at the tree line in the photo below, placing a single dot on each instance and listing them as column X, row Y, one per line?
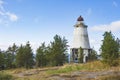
column 55, row 54
column 22, row 56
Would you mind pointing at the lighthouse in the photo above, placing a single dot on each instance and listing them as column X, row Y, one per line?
column 80, row 40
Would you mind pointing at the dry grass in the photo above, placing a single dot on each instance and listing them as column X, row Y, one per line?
column 91, row 66
column 110, row 77
column 45, row 73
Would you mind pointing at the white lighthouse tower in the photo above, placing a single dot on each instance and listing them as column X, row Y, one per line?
column 80, row 39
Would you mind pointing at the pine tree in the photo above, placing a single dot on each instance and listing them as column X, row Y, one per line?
column 20, row 56
column 109, row 49
column 58, row 50
column 10, row 56
column 24, row 57
column 28, row 54
column 118, row 42
column 41, row 54
column 2, row 60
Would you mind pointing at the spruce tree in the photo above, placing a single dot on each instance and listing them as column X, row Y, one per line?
column 24, row 57
column 109, row 49
column 28, row 54
column 20, row 56
column 58, row 50
column 9, row 55
column 2, row 60
column 41, row 56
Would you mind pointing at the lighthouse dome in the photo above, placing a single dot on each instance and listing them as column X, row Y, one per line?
column 80, row 18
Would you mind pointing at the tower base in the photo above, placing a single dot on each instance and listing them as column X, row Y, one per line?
column 78, row 56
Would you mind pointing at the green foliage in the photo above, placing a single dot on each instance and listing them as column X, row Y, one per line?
column 10, row 56
column 81, row 55
column 93, row 55
column 109, row 49
column 20, row 56
column 28, row 56
column 52, row 55
column 8, row 60
column 41, row 53
column 57, row 51
column 1, row 59
column 24, row 56
column 118, row 42
column 4, row 76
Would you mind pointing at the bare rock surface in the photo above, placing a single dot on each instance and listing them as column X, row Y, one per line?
column 83, row 75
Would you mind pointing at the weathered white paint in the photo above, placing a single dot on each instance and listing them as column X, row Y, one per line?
column 80, row 36
column 85, row 53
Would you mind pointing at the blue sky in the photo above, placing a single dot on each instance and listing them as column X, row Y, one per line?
column 38, row 21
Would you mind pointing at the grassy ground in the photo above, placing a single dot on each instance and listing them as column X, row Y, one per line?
column 63, row 71
column 4, row 76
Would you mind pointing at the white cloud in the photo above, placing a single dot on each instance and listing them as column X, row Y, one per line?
column 12, row 17
column 89, row 11
column 115, row 4
column 6, row 16
column 113, row 26
column 95, row 43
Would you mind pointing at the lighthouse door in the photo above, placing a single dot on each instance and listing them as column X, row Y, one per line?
column 75, row 55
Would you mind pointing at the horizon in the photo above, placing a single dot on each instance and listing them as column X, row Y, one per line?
column 39, row 21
